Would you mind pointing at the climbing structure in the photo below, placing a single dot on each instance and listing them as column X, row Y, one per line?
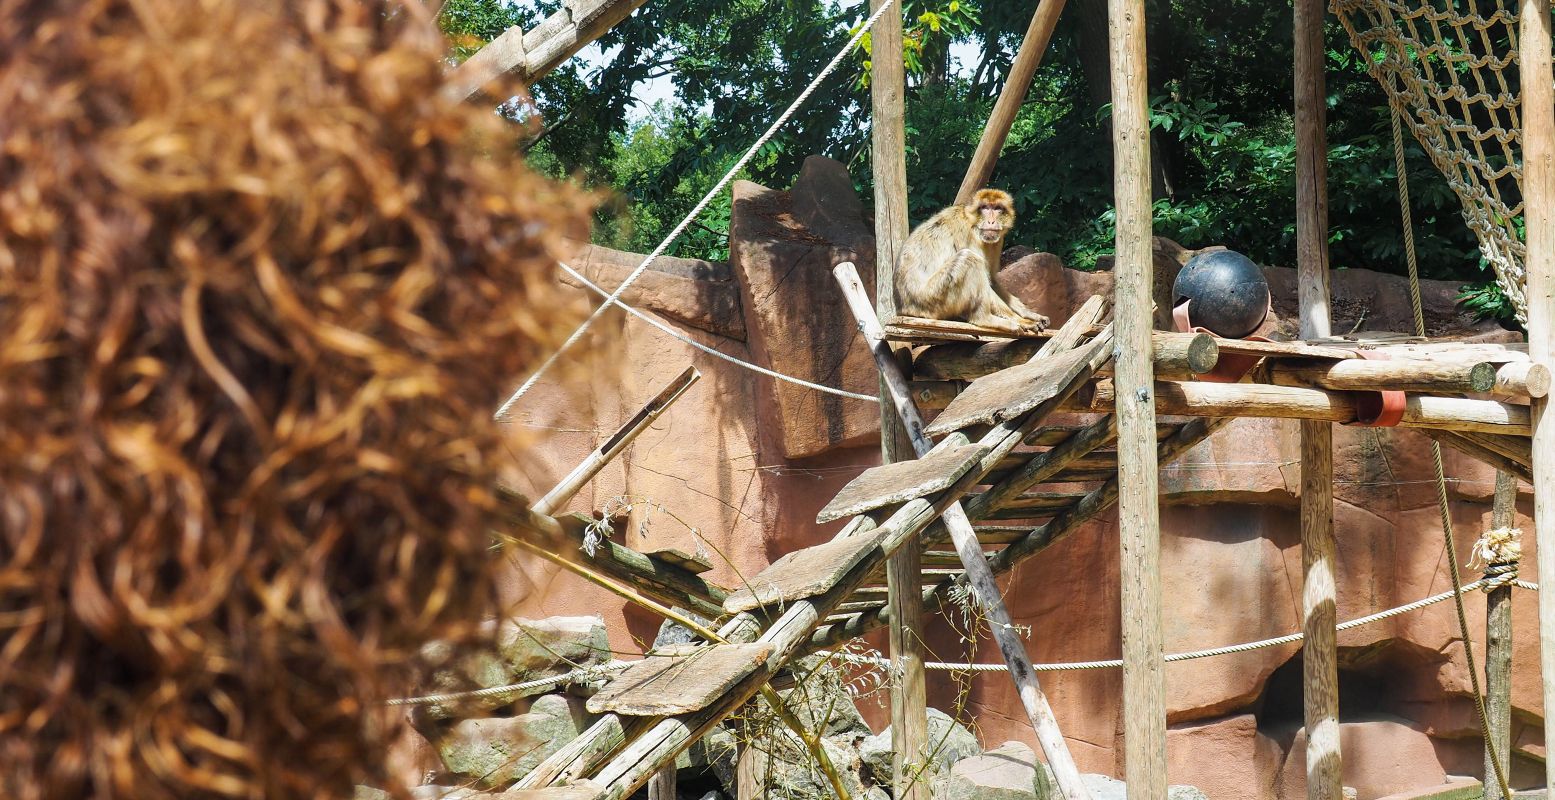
column 1025, row 481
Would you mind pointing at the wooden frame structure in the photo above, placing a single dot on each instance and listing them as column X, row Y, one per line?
column 1001, row 481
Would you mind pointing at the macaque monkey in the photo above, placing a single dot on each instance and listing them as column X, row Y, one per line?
column 947, row 266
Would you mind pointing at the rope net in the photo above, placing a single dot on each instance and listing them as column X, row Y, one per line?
column 1449, row 68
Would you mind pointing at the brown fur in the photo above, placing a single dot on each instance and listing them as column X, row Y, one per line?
column 947, row 267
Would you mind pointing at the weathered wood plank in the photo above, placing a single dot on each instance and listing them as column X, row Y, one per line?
column 663, row 686
column 1012, row 392
column 890, row 484
column 804, row 573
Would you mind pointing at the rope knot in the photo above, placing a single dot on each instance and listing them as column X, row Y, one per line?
column 1498, row 551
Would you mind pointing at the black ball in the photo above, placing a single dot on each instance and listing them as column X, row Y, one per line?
column 1229, row 293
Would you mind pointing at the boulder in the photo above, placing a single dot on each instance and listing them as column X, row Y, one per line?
column 1224, row 757
column 702, row 294
column 493, row 752
column 552, row 646
column 796, row 321
column 1383, row 755
column 714, row 754
column 786, row 770
column 463, row 667
column 951, row 740
column 1010, row 771
column 822, row 702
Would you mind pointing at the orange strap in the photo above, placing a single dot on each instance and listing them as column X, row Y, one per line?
column 1384, row 409
column 1231, row 366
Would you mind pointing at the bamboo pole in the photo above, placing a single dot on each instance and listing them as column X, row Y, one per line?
column 1538, row 116
column 1016, row 87
column 625, row 435
column 1498, row 650
column 888, row 148
column 979, row 576
column 1144, row 700
column 1320, row 654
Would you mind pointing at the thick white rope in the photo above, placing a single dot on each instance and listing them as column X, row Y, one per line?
column 701, row 205
column 611, row 300
column 1214, row 651
column 537, row 686
column 591, row 673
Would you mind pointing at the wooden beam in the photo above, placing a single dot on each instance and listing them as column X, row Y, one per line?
column 888, row 151
column 1016, row 86
column 979, row 576
column 1179, row 354
column 610, row 448
column 662, row 785
column 1139, row 525
column 1402, row 376
column 1538, row 118
column 1521, row 379
column 1320, row 675
column 532, row 54
column 1498, row 650
column 1196, row 399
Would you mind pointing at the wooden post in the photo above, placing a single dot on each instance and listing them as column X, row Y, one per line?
column 1144, row 701
column 662, row 785
column 888, row 143
column 1320, row 660
column 1016, row 86
column 1539, row 215
column 1498, row 650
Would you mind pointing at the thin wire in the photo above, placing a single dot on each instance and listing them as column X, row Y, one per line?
column 1442, row 507
column 691, row 216
column 611, row 300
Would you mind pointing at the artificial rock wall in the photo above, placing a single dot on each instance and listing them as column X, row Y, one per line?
column 740, row 465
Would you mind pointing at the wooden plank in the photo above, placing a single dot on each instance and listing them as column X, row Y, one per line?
column 1016, row 86
column 804, row 573
column 1012, row 392
column 689, row 562
column 891, row 484
column 1538, row 117
column 903, row 328
column 582, row 790
column 1243, row 347
column 662, row 686
column 1498, row 650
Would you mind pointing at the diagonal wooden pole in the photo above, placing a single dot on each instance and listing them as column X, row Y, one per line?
column 979, row 575
column 612, row 447
column 1016, row 86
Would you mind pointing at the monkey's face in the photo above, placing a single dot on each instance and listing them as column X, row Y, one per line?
column 992, row 222
column 995, row 212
